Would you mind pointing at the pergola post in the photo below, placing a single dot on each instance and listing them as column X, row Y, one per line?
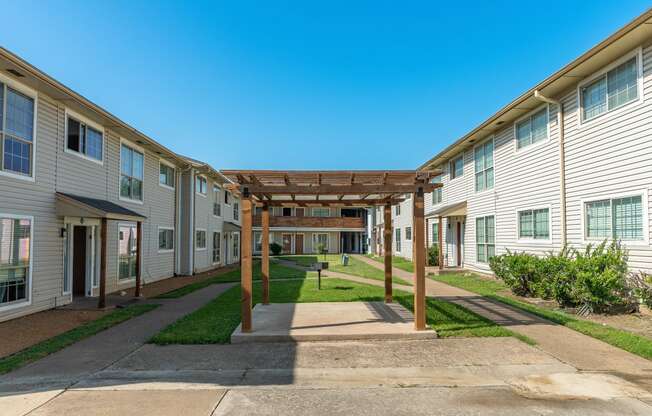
column 101, row 301
column 265, row 253
column 440, row 242
column 139, row 249
column 419, row 262
column 246, row 273
column 387, row 252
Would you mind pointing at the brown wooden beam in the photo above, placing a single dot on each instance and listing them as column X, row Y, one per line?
column 326, row 202
column 101, row 301
column 326, row 189
column 246, row 270
column 387, row 241
column 419, row 263
column 265, row 253
column 139, row 250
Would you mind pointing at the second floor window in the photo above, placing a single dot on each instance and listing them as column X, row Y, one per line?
column 321, row 212
column 84, row 139
column 457, row 167
column 236, row 211
column 131, row 173
column 397, row 209
column 17, row 124
column 484, row 166
column 201, row 185
column 611, row 90
column 227, row 197
column 533, row 129
column 166, row 175
column 437, row 194
column 217, row 202
column 408, row 233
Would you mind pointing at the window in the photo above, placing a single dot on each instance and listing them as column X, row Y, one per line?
column 227, row 198
column 15, row 255
column 236, row 245
column 398, row 239
column 131, row 173
column 397, row 209
column 216, row 247
column 17, row 124
column 534, row 224
column 127, row 251
column 200, row 239
column 201, row 185
column 217, row 202
column 611, row 90
column 165, row 239
column 287, row 212
column 435, row 233
column 485, row 233
column 457, row 167
column 84, row 139
column 166, row 175
column 258, row 242
column 532, row 129
column 617, row 218
column 236, row 211
column 484, row 166
column 408, row 233
column 321, row 212
column 437, row 194
column 319, row 240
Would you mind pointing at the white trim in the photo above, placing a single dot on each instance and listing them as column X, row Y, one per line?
column 543, row 241
column 10, row 82
column 139, row 149
column 70, row 113
column 174, row 170
column 205, row 239
column 167, row 250
column 204, row 195
column 630, row 243
column 638, row 52
column 451, row 171
column 28, row 301
column 525, row 149
column 117, row 257
column 493, row 158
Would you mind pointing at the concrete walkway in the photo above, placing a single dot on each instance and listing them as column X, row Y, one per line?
column 95, row 353
column 582, row 352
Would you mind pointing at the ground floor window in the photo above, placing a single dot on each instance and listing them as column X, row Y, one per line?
column 165, row 239
column 534, row 224
column 398, row 239
column 408, row 233
column 617, row 218
column 15, row 252
column 216, row 247
column 200, row 239
column 319, row 241
column 435, row 233
column 236, row 245
column 258, row 242
column 485, row 232
column 127, row 251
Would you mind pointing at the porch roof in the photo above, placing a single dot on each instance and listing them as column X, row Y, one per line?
column 450, row 210
column 79, row 206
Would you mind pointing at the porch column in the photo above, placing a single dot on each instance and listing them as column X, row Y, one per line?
column 101, row 302
column 387, row 241
column 246, row 272
column 265, row 254
column 440, row 237
column 419, row 262
column 139, row 257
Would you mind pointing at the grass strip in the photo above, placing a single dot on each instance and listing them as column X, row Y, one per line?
column 398, row 262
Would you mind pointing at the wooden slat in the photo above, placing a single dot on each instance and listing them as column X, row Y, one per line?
column 265, row 253
column 330, row 203
column 419, row 263
column 246, row 273
column 387, row 240
column 327, row 189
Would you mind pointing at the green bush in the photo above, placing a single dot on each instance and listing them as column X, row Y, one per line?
column 556, row 277
column 433, row 255
column 275, row 248
column 641, row 285
column 519, row 271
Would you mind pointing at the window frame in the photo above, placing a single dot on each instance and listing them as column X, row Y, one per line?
column 236, row 210
column 174, row 174
column 439, row 190
column 644, row 208
column 198, row 178
column 451, row 171
column 117, row 274
column 493, row 166
column 638, row 53
column 197, row 230
column 83, row 120
column 397, row 238
column 532, row 240
column 520, row 120
column 219, row 250
column 133, row 147
column 158, row 234
column 228, row 198
column 33, row 94
column 217, row 196
column 485, row 243
column 408, row 233
column 312, row 212
column 28, row 300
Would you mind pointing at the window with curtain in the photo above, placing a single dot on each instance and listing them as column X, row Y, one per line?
column 17, row 124
column 166, row 175
column 534, row 224
column 484, row 166
column 617, row 218
column 398, row 240
column 15, row 244
column 84, row 139
column 437, row 194
column 485, row 233
column 165, row 239
column 131, row 173
column 127, row 251
column 457, row 167
column 532, row 129
column 611, row 90
column 216, row 247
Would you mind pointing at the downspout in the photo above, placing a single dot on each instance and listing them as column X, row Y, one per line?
column 192, row 222
column 562, row 161
column 177, row 222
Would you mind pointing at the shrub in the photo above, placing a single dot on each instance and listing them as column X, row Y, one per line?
column 519, row 271
column 641, row 286
column 275, row 248
column 556, row 277
column 433, row 255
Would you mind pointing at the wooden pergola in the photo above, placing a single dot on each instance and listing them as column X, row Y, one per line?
column 331, row 188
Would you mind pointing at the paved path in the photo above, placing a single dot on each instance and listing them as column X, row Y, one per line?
column 580, row 351
column 95, row 353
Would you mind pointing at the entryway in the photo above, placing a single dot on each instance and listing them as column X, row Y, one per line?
column 81, row 251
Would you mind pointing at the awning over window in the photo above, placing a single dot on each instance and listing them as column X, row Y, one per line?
column 69, row 205
column 230, row 227
column 450, row 210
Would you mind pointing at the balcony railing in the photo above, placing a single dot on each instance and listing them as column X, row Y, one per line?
column 312, row 222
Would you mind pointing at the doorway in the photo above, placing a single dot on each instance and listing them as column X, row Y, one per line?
column 79, row 261
column 287, row 243
column 298, row 243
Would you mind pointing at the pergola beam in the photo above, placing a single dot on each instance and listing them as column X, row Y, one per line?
column 331, row 202
column 327, row 189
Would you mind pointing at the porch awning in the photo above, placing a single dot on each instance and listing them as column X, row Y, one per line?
column 79, row 206
column 450, row 210
column 230, row 227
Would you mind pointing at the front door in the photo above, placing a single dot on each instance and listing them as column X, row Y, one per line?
column 298, row 243
column 79, row 261
column 287, row 243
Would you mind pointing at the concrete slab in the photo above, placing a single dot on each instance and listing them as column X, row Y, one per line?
column 22, row 403
column 127, row 403
column 330, row 321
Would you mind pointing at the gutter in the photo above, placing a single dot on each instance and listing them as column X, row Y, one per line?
column 562, row 161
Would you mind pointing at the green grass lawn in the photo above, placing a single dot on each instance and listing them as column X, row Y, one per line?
column 61, row 341
column 214, row 323
column 628, row 341
column 355, row 267
column 398, row 262
column 276, row 271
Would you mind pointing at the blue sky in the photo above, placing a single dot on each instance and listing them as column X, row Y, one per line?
column 305, row 84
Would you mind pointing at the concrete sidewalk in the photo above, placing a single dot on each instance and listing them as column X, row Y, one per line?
column 581, row 351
